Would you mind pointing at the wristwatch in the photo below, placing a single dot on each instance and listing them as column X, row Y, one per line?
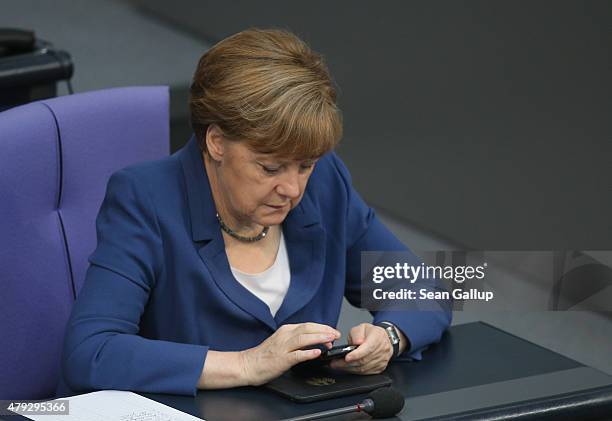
column 393, row 336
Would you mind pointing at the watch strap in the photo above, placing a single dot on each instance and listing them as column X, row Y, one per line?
column 393, row 335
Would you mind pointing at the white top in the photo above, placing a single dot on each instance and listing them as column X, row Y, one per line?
column 271, row 285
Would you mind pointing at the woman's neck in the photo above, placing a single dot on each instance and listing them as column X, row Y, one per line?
column 232, row 218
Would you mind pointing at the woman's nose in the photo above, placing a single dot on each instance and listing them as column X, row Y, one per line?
column 290, row 185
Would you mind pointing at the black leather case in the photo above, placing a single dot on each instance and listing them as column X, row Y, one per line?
column 325, row 384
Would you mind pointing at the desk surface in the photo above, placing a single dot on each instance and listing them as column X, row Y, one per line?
column 477, row 370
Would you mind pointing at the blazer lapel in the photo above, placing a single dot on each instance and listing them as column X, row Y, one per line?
column 305, row 240
column 214, row 257
column 208, row 238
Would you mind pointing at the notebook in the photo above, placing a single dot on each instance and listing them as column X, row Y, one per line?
column 325, row 384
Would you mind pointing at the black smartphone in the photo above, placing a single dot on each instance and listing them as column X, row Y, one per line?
column 321, row 363
column 336, row 352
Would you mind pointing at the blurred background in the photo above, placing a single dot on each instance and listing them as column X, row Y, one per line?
column 468, row 124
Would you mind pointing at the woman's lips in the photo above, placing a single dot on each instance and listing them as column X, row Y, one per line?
column 277, row 207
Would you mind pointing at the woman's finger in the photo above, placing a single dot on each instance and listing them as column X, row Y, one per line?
column 357, row 334
column 365, row 349
column 342, row 364
column 303, row 355
column 311, row 327
column 304, row 340
column 356, row 368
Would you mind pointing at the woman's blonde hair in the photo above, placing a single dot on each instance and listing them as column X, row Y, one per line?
column 268, row 88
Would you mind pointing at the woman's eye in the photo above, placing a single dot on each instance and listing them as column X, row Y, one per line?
column 306, row 167
column 270, row 170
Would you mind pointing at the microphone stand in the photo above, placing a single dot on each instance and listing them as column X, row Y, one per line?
column 366, row 406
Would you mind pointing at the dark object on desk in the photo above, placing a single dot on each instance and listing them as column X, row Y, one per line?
column 336, row 352
column 382, row 403
column 386, row 402
column 325, row 383
column 29, row 68
column 307, row 368
column 15, row 41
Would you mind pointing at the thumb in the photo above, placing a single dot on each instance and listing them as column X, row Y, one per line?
column 357, row 334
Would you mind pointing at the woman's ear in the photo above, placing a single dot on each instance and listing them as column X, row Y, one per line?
column 215, row 143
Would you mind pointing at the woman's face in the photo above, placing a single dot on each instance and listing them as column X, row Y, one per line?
column 260, row 188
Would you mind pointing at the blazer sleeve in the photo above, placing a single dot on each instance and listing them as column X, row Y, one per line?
column 102, row 348
column 365, row 232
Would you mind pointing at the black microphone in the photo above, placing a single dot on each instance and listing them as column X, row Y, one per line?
column 382, row 403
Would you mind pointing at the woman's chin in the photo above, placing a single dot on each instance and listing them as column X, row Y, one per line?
column 275, row 219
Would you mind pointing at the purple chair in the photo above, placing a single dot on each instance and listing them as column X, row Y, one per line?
column 55, row 159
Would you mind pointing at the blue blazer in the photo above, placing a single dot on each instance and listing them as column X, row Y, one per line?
column 159, row 292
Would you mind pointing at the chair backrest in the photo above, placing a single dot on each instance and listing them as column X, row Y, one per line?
column 55, row 159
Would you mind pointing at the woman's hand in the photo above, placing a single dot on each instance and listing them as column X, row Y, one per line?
column 373, row 353
column 282, row 350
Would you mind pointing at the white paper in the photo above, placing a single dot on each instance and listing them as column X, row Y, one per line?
column 115, row 405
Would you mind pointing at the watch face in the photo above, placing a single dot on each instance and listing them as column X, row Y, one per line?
column 393, row 334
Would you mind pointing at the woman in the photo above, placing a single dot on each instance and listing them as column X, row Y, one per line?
column 216, row 266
